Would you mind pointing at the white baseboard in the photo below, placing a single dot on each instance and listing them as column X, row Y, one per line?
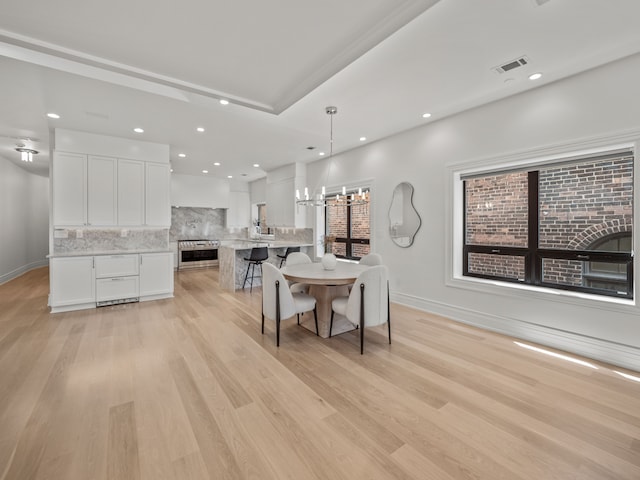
column 158, row 296
column 22, row 270
column 595, row 348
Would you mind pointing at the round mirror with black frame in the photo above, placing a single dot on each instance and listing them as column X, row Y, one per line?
column 404, row 220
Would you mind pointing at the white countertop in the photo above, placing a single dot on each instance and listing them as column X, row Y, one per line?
column 93, row 253
column 249, row 244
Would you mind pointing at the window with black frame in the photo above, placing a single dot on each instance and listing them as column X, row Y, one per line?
column 347, row 228
column 566, row 225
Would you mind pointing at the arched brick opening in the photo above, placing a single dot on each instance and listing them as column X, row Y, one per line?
column 594, row 233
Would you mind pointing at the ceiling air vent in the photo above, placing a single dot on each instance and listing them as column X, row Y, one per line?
column 517, row 63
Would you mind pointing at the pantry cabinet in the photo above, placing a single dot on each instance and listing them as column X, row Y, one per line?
column 105, row 191
column 101, row 190
column 157, row 195
column 130, row 192
column 69, row 176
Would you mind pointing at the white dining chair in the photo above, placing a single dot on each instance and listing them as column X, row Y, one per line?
column 278, row 303
column 368, row 303
column 298, row 258
column 371, row 259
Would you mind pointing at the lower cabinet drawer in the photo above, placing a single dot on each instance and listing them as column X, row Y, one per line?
column 117, row 288
column 108, row 266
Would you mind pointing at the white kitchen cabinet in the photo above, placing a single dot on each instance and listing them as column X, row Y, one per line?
column 69, row 189
column 72, row 283
column 157, row 195
column 116, row 265
column 130, row 192
column 117, row 278
column 101, row 190
column 156, row 273
column 117, row 289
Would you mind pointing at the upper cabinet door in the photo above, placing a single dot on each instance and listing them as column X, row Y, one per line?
column 69, row 189
column 157, row 195
column 102, row 190
column 130, row 192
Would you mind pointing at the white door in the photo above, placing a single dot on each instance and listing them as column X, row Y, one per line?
column 130, row 192
column 69, row 185
column 72, row 281
column 156, row 273
column 157, row 195
column 102, row 190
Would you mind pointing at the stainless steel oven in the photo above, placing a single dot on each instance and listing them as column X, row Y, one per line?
column 197, row 253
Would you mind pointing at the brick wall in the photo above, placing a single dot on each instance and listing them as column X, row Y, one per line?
column 579, row 205
column 360, row 227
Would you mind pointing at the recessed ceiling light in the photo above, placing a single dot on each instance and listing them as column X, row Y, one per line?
column 256, row 165
column 171, row 170
column 535, row 76
column 229, row 176
column 200, row 129
column 217, row 164
column 182, row 155
column 321, row 154
column 224, row 102
column 362, row 139
column 138, row 130
column 426, row 115
column 205, row 171
column 53, row 115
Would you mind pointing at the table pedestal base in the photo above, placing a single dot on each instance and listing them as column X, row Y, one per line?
column 324, row 294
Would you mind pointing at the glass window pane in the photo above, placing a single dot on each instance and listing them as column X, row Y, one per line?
column 582, row 203
column 501, row 266
column 359, row 250
column 336, row 219
column 360, row 221
column 339, row 249
column 496, row 210
column 576, row 273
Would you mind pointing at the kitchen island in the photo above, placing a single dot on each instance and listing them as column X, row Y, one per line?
column 233, row 266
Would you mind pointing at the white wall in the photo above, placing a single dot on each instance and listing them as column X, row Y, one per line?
column 199, row 191
column 24, row 216
column 601, row 102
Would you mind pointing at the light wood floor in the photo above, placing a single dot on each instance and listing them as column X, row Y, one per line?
column 188, row 388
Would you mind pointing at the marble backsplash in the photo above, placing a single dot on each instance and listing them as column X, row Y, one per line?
column 195, row 223
column 89, row 240
column 290, row 234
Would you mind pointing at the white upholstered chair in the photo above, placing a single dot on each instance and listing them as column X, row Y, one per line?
column 298, row 258
column 278, row 303
column 371, row 259
column 368, row 303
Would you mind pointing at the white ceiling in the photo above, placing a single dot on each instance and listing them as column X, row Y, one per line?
column 107, row 67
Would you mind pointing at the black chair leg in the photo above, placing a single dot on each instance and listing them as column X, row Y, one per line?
column 361, row 318
column 298, row 319
column 262, row 320
column 331, row 323
column 315, row 316
column 389, row 312
column 246, row 275
column 277, row 314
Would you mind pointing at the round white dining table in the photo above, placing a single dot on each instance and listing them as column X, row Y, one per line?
column 325, row 285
